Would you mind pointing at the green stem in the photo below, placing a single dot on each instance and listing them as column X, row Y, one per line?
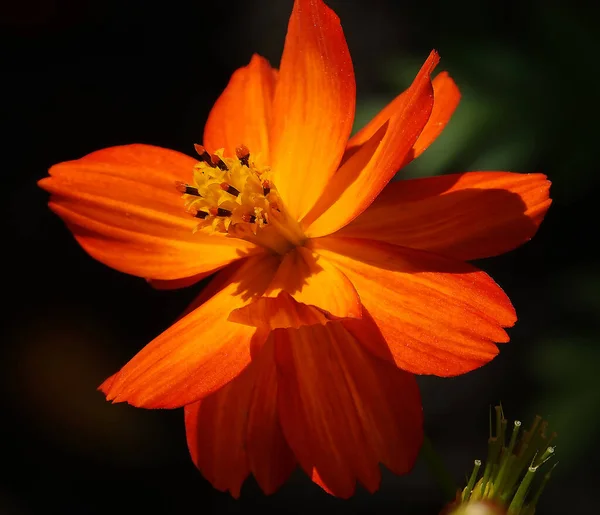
column 438, row 470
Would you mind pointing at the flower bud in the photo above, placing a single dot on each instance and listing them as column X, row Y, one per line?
column 474, row 508
column 509, row 483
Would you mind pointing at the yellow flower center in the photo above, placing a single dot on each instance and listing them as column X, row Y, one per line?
column 237, row 197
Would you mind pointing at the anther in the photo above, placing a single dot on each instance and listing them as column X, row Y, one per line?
column 204, row 155
column 219, row 163
column 249, row 218
column 266, row 188
column 182, row 187
column 243, row 154
column 225, row 186
column 219, row 211
column 197, row 214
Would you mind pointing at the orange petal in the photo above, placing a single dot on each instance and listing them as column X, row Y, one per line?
column 242, row 114
column 269, row 455
column 277, row 312
column 216, row 434
column 445, row 100
column 199, row 353
column 314, row 105
column 464, row 216
column 342, row 410
column 312, row 280
column 438, row 316
column 122, row 207
column 360, row 179
column 389, row 402
column 316, row 478
column 176, row 284
column 236, row 430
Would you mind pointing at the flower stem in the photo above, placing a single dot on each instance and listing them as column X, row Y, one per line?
column 438, row 470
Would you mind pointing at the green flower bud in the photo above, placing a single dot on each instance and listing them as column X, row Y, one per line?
column 510, row 482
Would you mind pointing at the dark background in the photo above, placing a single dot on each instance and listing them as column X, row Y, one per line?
column 81, row 75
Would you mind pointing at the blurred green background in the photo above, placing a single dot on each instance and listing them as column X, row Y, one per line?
column 82, row 75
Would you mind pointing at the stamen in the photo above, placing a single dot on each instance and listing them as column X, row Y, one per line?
column 266, row 188
column 197, row 214
column 204, row 155
column 219, row 211
column 243, row 154
column 225, row 186
column 236, row 196
column 182, row 187
column 219, row 163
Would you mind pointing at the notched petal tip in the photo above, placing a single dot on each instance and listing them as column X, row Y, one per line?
column 198, row 354
column 433, row 60
column 342, row 410
column 105, row 389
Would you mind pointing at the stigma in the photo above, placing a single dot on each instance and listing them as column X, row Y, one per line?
column 237, row 197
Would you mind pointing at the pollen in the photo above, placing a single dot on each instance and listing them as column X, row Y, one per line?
column 228, row 192
column 237, row 197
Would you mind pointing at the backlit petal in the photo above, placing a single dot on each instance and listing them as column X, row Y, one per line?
column 278, row 312
column 343, row 410
column 242, row 114
column 465, row 216
column 122, row 207
column 439, row 316
column 313, row 107
column 236, row 430
column 269, row 455
column 311, row 279
column 175, row 284
column 445, row 100
column 199, row 353
column 216, row 433
column 360, row 179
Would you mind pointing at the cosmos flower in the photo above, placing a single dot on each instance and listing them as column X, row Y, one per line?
column 334, row 286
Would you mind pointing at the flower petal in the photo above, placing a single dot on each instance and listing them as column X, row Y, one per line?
column 236, row 430
column 343, row 410
column 465, row 216
column 316, row 478
column 313, row 107
column 277, row 312
column 199, row 353
column 269, row 455
column 360, row 179
column 242, row 114
column 216, row 434
column 122, row 207
column 176, row 284
column 311, row 279
column 445, row 100
column 438, row 316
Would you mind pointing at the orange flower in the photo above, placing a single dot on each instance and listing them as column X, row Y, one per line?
column 335, row 286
